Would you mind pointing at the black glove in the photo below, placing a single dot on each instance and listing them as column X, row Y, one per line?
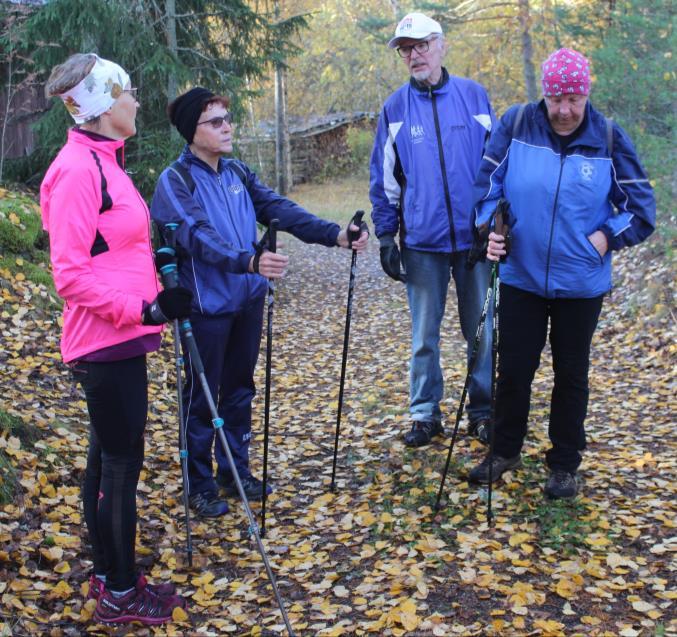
column 168, row 305
column 390, row 259
column 354, row 235
column 480, row 243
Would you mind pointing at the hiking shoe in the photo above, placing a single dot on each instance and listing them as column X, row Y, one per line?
column 96, row 587
column 253, row 487
column 139, row 605
column 208, row 505
column 481, row 429
column 561, row 484
column 480, row 474
column 421, row 432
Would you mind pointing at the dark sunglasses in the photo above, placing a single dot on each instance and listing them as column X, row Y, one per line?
column 217, row 122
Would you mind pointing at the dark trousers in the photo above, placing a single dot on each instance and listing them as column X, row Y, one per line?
column 229, row 347
column 117, row 402
column 523, row 326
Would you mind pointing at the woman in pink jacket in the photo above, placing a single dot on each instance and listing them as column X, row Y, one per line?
column 103, row 268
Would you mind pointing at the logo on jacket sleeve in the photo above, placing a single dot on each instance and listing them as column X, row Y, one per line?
column 417, row 133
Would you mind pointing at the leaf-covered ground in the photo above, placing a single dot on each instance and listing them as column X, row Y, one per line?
column 373, row 558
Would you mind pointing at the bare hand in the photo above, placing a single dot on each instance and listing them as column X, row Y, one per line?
column 272, row 265
column 598, row 240
column 358, row 245
column 496, row 247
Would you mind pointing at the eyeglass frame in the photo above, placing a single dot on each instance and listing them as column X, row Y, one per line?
column 133, row 91
column 227, row 118
column 424, row 44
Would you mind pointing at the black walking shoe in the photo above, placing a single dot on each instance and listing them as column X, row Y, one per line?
column 253, row 487
column 208, row 505
column 561, row 484
column 481, row 429
column 480, row 474
column 421, row 433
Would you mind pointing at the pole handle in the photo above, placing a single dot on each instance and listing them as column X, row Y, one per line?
column 272, row 235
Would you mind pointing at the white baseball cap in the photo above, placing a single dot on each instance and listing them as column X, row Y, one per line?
column 415, row 26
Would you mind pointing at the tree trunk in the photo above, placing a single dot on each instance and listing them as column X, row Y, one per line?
column 282, row 150
column 527, row 51
column 170, row 30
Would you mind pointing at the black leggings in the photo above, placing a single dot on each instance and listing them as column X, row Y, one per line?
column 117, row 401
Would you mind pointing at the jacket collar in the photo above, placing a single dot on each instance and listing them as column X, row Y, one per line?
column 422, row 88
column 588, row 136
column 113, row 148
column 188, row 155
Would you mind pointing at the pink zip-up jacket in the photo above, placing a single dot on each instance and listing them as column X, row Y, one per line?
column 100, row 248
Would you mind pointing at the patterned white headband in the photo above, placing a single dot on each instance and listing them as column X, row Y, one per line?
column 97, row 92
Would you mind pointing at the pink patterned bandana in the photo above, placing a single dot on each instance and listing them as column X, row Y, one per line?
column 565, row 72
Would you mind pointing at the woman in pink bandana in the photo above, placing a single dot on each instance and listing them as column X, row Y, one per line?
column 577, row 192
column 103, row 268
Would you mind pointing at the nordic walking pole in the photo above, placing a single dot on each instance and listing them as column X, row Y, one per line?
column 169, row 276
column 272, row 247
column 167, row 255
column 502, row 228
column 353, row 235
column 464, row 393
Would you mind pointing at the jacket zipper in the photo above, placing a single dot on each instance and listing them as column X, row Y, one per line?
column 447, row 198
column 552, row 223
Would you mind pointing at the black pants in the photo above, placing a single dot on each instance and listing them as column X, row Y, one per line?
column 523, row 326
column 229, row 347
column 117, row 401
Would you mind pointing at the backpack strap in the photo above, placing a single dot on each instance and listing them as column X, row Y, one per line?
column 518, row 119
column 238, row 170
column 185, row 175
column 610, row 135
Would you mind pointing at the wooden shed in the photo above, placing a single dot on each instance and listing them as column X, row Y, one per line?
column 319, row 145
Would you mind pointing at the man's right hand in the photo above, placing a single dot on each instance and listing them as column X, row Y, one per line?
column 390, row 259
column 272, row 265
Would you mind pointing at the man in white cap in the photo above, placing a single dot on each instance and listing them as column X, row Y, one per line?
column 427, row 151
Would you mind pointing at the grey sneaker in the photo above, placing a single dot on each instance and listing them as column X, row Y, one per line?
column 480, row 474
column 561, row 484
column 481, row 429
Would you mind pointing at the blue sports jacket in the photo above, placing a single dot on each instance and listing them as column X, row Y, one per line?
column 426, row 154
column 558, row 200
column 217, row 230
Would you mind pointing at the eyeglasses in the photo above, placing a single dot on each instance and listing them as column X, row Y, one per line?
column 419, row 47
column 132, row 91
column 217, row 122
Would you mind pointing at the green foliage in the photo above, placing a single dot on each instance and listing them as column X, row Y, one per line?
column 219, row 45
column 11, row 425
column 360, row 143
column 20, row 225
column 635, row 83
column 22, row 241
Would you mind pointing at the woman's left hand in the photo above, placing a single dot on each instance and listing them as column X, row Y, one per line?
column 598, row 240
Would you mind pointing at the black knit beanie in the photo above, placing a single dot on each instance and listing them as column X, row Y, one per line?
column 185, row 111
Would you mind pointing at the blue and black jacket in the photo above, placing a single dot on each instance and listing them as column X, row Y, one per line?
column 559, row 198
column 427, row 152
column 217, row 229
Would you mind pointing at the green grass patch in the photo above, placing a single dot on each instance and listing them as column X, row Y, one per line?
column 337, row 200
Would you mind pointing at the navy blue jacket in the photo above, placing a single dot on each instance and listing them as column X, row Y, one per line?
column 426, row 154
column 217, row 229
column 559, row 199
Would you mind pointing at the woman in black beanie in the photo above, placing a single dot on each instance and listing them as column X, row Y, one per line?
column 217, row 203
